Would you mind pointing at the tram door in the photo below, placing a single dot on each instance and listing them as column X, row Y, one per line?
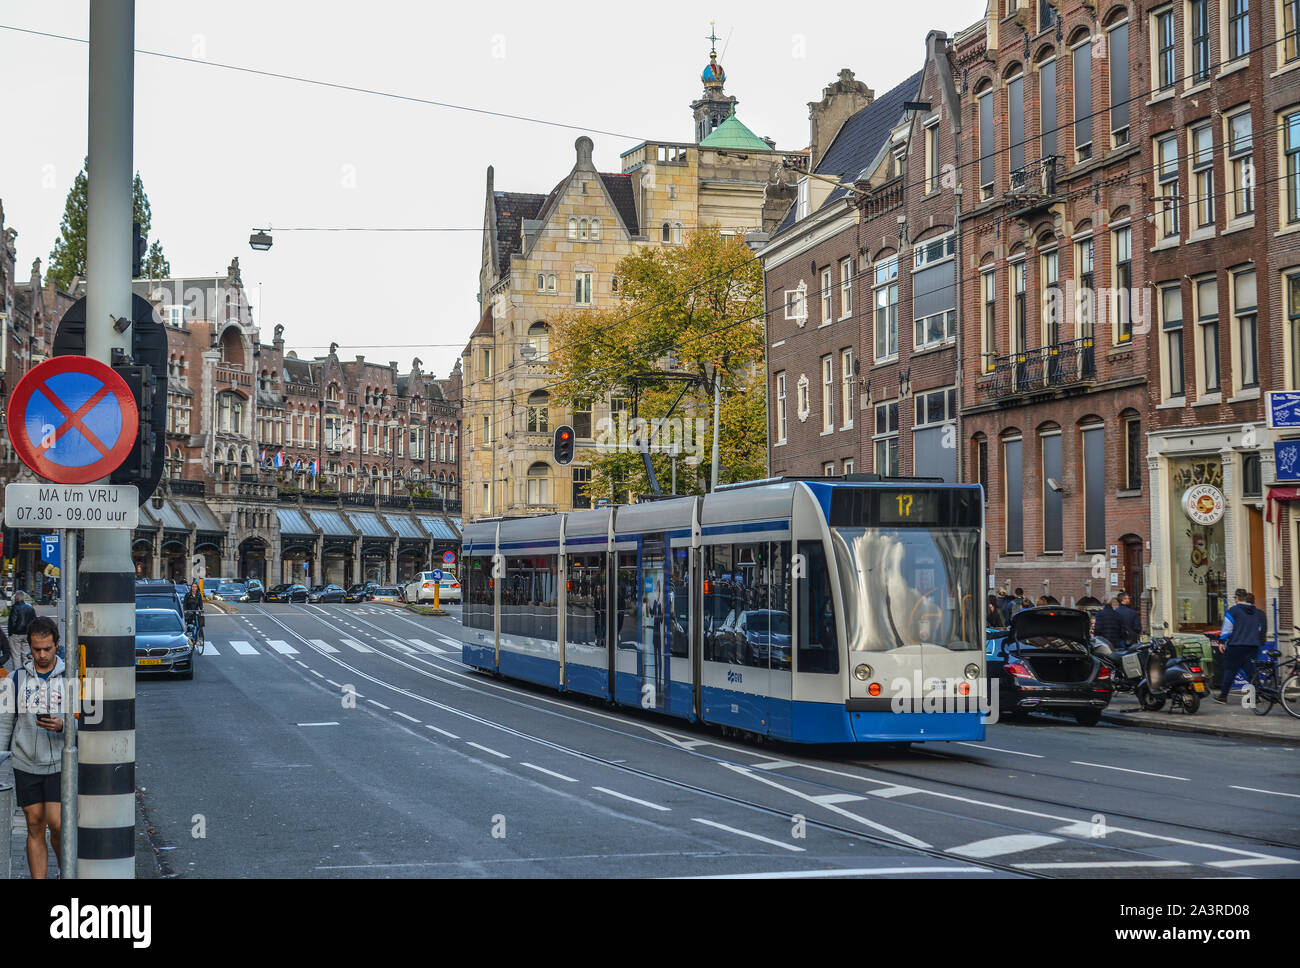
column 655, row 625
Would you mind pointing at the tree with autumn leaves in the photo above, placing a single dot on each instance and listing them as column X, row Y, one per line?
column 690, row 311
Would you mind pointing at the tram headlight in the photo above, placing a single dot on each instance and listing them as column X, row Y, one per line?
column 972, row 671
column 863, row 672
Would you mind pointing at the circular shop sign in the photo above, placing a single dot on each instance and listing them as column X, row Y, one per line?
column 1203, row 504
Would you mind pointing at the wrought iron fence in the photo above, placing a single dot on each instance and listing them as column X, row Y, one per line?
column 1057, row 365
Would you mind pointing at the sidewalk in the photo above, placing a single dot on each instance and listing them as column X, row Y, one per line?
column 146, row 860
column 1232, row 720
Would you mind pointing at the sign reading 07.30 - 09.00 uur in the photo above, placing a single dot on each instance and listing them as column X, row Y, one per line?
column 72, row 420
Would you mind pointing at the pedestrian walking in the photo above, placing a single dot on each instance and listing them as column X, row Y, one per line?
column 1129, row 619
column 31, row 719
column 1240, row 639
column 993, row 617
column 21, row 616
column 1110, row 626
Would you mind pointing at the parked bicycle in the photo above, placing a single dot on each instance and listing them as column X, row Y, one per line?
column 1273, row 682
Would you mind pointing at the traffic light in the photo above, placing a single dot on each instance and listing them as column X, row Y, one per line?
column 563, row 449
column 139, row 249
column 139, row 467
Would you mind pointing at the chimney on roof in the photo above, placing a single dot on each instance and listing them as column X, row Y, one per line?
column 841, row 99
column 584, row 147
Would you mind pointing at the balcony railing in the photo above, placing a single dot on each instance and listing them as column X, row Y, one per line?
column 1035, row 181
column 180, row 488
column 1045, row 368
column 234, row 375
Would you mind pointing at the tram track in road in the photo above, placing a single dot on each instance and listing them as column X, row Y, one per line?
column 625, row 769
column 516, row 696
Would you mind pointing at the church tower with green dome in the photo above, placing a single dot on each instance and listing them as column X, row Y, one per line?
column 714, row 107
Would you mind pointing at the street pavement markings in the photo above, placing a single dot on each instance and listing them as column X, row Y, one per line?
column 421, row 644
column 531, row 766
column 400, row 646
column 488, row 749
column 318, row 724
column 995, row 749
column 1273, row 793
column 443, row 731
column 376, row 702
column 836, row 872
column 284, row 648
column 324, row 646
column 398, row 712
column 1098, row 865
column 242, row 647
column 624, row 796
column 746, row 833
column 354, row 644
column 999, row 846
column 1120, row 769
column 210, row 649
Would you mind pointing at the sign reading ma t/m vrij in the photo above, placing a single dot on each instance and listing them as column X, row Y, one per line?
column 72, row 420
column 72, row 506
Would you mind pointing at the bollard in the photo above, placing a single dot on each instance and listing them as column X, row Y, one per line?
column 7, row 842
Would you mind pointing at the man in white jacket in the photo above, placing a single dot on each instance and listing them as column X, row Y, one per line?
column 31, row 721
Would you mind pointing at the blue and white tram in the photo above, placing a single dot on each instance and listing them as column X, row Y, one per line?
column 813, row 611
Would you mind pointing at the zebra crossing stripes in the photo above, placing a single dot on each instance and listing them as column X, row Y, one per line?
column 245, row 647
column 399, row 646
column 324, row 646
column 421, row 644
column 354, row 644
column 210, row 649
column 242, row 647
column 284, row 648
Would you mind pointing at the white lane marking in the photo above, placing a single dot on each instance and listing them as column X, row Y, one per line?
column 400, row 646
column 894, row 791
column 1252, row 862
column 243, row 648
column 488, row 749
column 542, row 769
column 624, row 796
column 1271, row 792
column 996, row 749
column 210, row 649
column 1081, row 829
column 375, row 702
column 897, row 834
column 354, row 644
column 997, row 846
column 751, row 836
column 421, row 644
column 1098, row 864
column 318, row 675
column 301, row 663
column 334, row 684
column 324, row 646
column 772, row 765
column 317, row 724
column 448, row 639
column 398, row 712
column 1103, row 766
column 838, row 872
column 443, row 731
column 828, row 798
column 281, row 646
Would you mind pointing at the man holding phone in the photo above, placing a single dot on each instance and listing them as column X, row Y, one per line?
column 31, row 721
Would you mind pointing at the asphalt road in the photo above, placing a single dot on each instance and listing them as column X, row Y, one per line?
column 350, row 741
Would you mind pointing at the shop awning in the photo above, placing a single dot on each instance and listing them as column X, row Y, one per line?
column 1280, row 494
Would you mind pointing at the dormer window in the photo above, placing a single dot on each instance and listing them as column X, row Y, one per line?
column 801, row 210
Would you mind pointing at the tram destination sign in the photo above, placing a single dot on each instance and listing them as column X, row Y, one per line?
column 48, row 506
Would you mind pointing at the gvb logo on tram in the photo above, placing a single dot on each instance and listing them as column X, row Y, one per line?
column 920, row 694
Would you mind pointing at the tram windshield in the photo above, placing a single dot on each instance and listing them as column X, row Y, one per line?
column 910, row 587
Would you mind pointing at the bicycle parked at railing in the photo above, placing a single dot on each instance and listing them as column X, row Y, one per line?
column 1273, row 682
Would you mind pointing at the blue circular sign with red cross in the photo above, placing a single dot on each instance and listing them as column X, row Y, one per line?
column 72, row 420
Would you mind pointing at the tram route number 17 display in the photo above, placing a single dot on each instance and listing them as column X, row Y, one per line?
column 48, row 506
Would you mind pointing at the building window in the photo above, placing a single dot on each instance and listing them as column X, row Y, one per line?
column 1046, row 15
column 581, row 479
column 1171, row 318
column 936, row 407
column 886, row 321
column 1162, row 35
column 846, row 287
column 828, row 469
column 1167, row 187
column 796, row 303
column 1085, row 294
column 1132, row 452
column 539, row 338
column 1198, row 15
column 1094, row 487
column 846, row 389
column 780, row 408
column 828, row 394
column 1013, row 477
column 539, row 412
column 1119, row 87
column 1290, row 30
column 932, row 157
column 582, row 288
column 848, row 466
column 539, row 490
column 1016, row 122
column 595, row 230
column 989, row 286
column 1124, row 284
column 1049, row 314
column 1241, row 168
column 1202, row 149
column 1047, row 106
column 1083, row 100
column 988, row 152
column 934, row 290
column 1053, row 525
column 1292, row 285
column 1018, row 323
column 1238, row 28
column 666, row 233
column 582, row 419
column 1207, row 322
column 1246, row 322
column 885, row 439
column 1291, row 153
column 573, row 228
column 828, row 295
column 982, row 465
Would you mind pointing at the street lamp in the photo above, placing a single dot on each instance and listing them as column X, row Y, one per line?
column 260, row 240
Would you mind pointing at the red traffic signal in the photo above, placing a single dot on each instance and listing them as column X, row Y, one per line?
column 563, row 446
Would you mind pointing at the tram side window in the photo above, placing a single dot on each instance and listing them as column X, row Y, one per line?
column 749, row 626
column 478, row 604
column 629, row 599
column 818, row 651
column 719, row 603
column 545, row 598
column 586, row 600
column 780, row 620
column 679, row 603
column 516, row 593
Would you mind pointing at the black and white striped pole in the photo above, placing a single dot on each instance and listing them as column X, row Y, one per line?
column 106, row 588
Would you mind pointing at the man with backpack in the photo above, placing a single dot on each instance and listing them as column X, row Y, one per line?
column 1240, row 639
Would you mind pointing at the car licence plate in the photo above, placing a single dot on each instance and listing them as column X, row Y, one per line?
column 1198, row 687
column 141, row 662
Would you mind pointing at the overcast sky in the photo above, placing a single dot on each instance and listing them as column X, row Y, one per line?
column 222, row 152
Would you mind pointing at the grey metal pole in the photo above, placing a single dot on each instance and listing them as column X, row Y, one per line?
column 717, row 405
column 106, row 592
column 72, row 689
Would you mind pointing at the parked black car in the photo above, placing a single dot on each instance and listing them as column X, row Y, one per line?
column 363, row 592
column 326, row 593
column 287, row 593
column 1044, row 664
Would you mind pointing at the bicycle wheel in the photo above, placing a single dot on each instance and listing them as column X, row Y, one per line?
column 1264, row 685
column 1289, row 695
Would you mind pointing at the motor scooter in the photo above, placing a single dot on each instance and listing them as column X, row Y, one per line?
column 1155, row 673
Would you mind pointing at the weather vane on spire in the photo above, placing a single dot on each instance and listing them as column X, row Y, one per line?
column 713, row 38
